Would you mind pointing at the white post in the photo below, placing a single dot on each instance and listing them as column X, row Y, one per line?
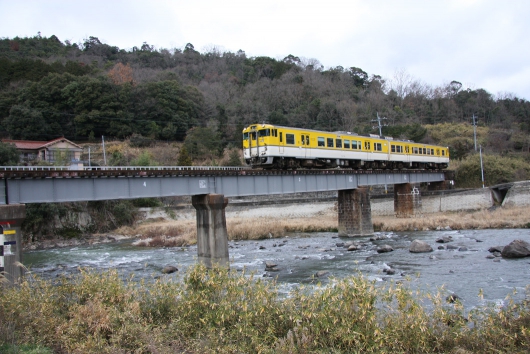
column 481, row 166
column 104, row 155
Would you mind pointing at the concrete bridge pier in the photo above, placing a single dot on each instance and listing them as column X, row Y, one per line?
column 11, row 218
column 212, row 238
column 355, row 213
column 407, row 200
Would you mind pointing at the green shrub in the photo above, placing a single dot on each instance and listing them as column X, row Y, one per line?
column 147, row 202
column 497, row 169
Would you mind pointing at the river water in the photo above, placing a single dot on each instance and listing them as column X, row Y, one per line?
column 463, row 270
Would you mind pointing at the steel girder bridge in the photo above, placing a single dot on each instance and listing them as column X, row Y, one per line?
column 59, row 184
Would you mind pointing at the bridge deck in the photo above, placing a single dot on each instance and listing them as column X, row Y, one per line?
column 45, row 185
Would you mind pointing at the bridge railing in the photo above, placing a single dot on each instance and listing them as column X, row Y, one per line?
column 123, row 168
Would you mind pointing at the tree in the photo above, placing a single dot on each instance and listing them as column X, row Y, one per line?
column 203, row 143
column 121, row 74
column 184, row 158
column 8, row 154
column 234, row 158
column 26, row 123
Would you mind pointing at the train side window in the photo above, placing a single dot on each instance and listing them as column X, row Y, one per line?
column 414, row 150
column 281, row 137
column 307, row 139
column 303, row 139
column 407, row 149
column 275, row 133
column 393, row 148
column 378, row 147
column 321, row 141
column 347, row 144
column 443, row 152
column 367, row 145
column 338, row 143
column 330, row 142
column 354, row 144
column 424, row 152
column 289, row 139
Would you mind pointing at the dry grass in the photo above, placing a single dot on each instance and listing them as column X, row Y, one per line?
column 220, row 311
column 178, row 233
column 500, row 218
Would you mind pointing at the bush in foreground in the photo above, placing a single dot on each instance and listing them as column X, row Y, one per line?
column 217, row 311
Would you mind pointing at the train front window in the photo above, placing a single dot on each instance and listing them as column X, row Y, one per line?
column 264, row 132
column 245, row 136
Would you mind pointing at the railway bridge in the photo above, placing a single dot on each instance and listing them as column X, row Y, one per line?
column 210, row 188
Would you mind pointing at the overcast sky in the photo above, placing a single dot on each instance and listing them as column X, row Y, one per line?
column 480, row 43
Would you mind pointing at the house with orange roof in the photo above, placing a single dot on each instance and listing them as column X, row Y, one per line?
column 60, row 150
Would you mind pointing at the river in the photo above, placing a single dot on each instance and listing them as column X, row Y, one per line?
column 464, row 270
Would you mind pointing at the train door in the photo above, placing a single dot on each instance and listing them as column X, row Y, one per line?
column 281, row 142
column 304, row 139
column 253, row 142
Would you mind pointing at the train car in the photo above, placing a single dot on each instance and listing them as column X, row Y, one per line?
column 279, row 147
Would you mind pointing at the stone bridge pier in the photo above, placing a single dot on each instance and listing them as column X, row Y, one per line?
column 11, row 218
column 355, row 213
column 407, row 200
column 212, row 237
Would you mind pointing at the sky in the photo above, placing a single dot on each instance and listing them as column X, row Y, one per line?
column 479, row 43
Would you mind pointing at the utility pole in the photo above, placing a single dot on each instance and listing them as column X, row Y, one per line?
column 379, row 125
column 475, row 130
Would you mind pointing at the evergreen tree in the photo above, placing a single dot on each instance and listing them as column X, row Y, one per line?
column 184, row 158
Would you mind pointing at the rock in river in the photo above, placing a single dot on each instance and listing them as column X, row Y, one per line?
column 418, row 246
column 516, row 249
column 169, row 269
column 384, row 249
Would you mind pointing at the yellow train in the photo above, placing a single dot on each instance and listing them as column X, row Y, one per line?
column 272, row 146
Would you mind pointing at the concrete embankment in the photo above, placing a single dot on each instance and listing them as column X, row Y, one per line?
column 510, row 194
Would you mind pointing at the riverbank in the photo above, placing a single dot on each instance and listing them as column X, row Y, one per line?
column 277, row 221
column 174, row 229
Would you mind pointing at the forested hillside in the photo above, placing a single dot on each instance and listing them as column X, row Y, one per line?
column 50, row 88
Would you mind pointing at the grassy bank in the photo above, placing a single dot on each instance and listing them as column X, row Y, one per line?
column 183, row 232
column 221, row 312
